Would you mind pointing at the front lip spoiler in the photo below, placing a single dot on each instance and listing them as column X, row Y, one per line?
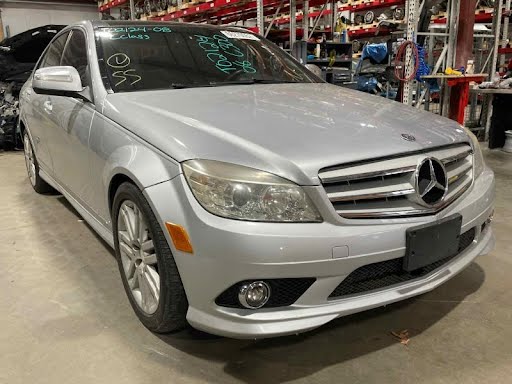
column 297, row 319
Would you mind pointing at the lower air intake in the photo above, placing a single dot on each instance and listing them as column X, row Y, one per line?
column 387, row 273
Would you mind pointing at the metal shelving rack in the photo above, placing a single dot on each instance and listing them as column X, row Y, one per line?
column 363, row 31
column 111, row 4
column 443, row 33
column 303, row 21
column 446, row 37
column 269, row 12
column 107, row 5
column 236, row 11
column 354, row 32
column 336, row 69
column 368, row 5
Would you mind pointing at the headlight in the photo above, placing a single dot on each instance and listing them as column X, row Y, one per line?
column 242, row 193
column 478, row 158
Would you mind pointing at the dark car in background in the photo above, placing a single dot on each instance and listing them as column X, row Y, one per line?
column 18, row 56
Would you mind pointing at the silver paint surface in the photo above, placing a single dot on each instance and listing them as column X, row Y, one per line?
column 292, row 130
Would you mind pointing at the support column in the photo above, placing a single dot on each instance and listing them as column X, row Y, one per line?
column 412, row 22
column 305, row 20
column 464, row 49
column 452, row 24
column 1, row 27
column 132, row 10
column 260, row 17
column 293, row 23
column 506, row 21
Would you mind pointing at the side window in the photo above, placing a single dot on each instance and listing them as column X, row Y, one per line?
column 54, row 53
column 75, row 55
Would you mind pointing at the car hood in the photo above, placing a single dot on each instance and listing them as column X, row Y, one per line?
column 291, row 130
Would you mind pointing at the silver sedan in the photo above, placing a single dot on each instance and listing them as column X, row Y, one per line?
column 242, row 194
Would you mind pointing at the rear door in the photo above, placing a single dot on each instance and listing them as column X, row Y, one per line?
column 73, row 117
column 37, row 108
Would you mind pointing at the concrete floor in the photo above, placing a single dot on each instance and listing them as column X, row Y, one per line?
column 65, row 318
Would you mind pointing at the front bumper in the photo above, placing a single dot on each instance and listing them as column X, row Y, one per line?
column 229, row 251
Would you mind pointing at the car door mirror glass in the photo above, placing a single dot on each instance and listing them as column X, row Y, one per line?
column 61, row 80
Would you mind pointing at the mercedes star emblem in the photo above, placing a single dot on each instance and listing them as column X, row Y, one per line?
column 408, row 137
column 431, row 181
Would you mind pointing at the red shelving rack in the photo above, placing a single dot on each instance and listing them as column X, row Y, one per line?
column 224, row 9
column 112, row 4
column 286, row 20
column 371, row 31
column 480, row 17
column 505, row 51
column 370, row 5
column 347, row 7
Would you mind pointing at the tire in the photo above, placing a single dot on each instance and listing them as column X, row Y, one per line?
column 358, row 19
column 39, row 185
column 399, row 14
column 369, row 17
column 168, row 313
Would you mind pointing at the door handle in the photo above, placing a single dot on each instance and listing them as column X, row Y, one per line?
column 47, row 105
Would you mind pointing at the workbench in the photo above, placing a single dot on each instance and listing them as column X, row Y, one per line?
column 459, row 95
column 492, row 91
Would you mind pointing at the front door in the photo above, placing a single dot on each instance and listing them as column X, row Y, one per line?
column 72, row 117
column 37, row 108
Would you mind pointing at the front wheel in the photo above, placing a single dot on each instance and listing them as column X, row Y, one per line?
column 148, row 270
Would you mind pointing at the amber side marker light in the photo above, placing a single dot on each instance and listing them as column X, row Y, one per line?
column 179, row 237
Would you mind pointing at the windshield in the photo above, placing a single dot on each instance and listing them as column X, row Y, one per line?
column 163, row 56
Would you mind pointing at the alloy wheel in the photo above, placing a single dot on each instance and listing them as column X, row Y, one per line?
column 29, row 160
column 138, row 257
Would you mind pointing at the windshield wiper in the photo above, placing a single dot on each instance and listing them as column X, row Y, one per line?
column 230, row 82
column 192, row 85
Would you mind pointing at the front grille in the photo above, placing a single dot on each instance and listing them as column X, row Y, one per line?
column 283, row 292
column 386, row 187
column 387, row 273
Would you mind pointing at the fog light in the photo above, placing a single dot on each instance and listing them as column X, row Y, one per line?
column 254, row 295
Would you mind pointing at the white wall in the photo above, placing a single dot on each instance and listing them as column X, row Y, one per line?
column 22, row 16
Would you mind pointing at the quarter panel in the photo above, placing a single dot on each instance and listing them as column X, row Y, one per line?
column 116, row 151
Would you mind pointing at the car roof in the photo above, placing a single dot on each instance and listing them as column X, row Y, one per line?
column 136, row 23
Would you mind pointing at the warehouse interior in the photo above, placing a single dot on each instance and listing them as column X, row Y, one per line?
column 417, row 94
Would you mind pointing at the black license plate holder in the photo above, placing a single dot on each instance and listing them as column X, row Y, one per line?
column 428, row 243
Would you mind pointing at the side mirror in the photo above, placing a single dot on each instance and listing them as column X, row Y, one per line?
column 61, row 81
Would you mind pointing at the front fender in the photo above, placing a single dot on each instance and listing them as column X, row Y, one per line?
column 139, row 163
column 117, row 154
